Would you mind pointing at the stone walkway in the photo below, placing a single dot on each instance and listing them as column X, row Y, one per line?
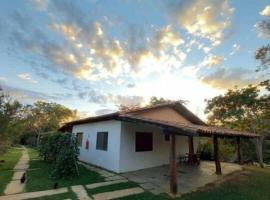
column 118, row 193
column 15, row 186
column 190, row 178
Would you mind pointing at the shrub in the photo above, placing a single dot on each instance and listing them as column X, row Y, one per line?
column 60, row 149
column 226, row 149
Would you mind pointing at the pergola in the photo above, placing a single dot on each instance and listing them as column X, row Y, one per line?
column 191, row 130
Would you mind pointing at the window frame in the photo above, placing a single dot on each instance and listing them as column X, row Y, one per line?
column 102, row 145
column 167, row 137
column 142, row 146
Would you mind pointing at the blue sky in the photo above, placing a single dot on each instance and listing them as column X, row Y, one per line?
column 94, row 55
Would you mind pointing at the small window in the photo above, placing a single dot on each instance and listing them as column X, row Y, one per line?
column 144, row 141
column 102, row 141
column 167, row 137
column 79, row 137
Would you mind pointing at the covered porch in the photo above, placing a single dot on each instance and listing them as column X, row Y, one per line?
column 174, row 178
column 190, row 178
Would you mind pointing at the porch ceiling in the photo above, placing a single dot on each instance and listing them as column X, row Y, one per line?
column 187, row 129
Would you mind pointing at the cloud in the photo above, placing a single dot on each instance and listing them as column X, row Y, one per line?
column 26, row 77
column 3, row 79
column 30, row 96
column 225, row 78
column 72, row 41
column 40, row 4
column 236, row 48
column 212, row 60
column 266, row 11
column 131, row 85
column 104, row 111
column 207, row 19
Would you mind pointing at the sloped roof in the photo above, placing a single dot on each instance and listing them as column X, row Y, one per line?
column 197, row 126
column 189, row 129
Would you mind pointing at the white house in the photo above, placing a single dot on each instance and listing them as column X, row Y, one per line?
column 132, row 140
column 147, row 137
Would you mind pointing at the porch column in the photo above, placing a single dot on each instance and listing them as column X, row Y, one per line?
column 216, row 155
column 238, row 150
column 191, row 150
column 173, row 174
column 259, row 147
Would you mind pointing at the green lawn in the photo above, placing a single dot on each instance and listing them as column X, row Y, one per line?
column 251, row 185
column 38, row 175
column 11, row 157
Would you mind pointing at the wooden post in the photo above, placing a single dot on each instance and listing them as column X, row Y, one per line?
column 258, row 145
column 173, row 174
column 216, row 155
column 238, row 150
column 191, row 150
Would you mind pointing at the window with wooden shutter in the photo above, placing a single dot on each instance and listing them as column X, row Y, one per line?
column 144, row 141
column 102, row 141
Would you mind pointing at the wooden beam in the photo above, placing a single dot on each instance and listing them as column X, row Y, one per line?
column 238, row 146
column 259, row 147
column 216, row 155
column 173, row 173
column 191, row 150
column 190, row 145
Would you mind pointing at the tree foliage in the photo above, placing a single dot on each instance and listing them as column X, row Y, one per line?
column 263, row 53
column 43, row 116
column 61, row 151
column 10, row 117
column 245, row 108
column 153, row 101
column 28, row 121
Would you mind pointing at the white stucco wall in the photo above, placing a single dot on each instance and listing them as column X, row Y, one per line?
column 121, row 155
column 106, row 159
column 130, row 160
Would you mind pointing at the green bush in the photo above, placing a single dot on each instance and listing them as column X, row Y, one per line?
column 60, row 149
column 226, row 149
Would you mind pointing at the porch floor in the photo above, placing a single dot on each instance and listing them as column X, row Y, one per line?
column 190, row 178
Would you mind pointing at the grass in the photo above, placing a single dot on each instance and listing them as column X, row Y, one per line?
column 39, row 175
column 11, row 157
column 254, row 184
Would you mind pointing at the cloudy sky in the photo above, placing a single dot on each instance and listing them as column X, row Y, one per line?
column 93, row 55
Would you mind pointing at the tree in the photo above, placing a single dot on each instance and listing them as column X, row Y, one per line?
column 44, row 117
column 61, row 150
column 247, row 108
column 10, row 116
column 263, row 53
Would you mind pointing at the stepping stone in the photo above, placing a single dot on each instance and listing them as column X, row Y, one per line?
column 96, row 185
column 80, row 192
column 148, row 186
column 118, row 194
column 113, row 178
column 31, row 195
column 157, row 190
